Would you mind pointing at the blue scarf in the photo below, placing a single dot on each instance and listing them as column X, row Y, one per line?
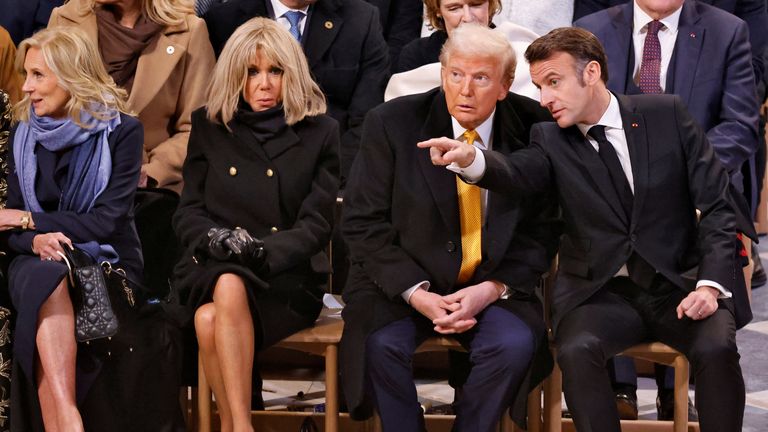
column 89, row 170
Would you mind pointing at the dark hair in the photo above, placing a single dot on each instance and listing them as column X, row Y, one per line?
column 582, row 45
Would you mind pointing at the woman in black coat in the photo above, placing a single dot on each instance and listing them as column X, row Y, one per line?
column 260, row 183
column 73, row 167
column 444, row 16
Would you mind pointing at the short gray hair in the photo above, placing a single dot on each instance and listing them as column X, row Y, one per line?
column 475, row 40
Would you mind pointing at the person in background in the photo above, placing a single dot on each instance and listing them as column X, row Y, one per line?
column 10, row 80
column 73, row 166
column 401, row 22
column 256, row 213
column 158, row 51
column 22, row 18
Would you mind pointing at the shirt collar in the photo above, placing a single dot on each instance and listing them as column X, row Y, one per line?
column 483, row 131
column 641, row 19
column 611, row 118
column 280, row 9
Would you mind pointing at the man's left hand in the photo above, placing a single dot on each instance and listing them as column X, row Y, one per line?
column 472, row 300
column 699, row 304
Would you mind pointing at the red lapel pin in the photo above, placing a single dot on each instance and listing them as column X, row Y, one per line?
column 693, row 35
column 634, row 125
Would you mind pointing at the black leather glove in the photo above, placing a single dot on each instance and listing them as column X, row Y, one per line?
column 248, row 250
column 216, row 247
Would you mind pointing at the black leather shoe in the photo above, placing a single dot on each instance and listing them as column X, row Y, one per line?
column 626, row 404
column 759, row 277
column 665, row 407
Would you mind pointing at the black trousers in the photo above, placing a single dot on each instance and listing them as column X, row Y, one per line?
column 622, row 314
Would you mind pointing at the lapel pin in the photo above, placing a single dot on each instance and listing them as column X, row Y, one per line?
column 634, row 125
column 170, row 49
column 328, row 25
column 693, row 35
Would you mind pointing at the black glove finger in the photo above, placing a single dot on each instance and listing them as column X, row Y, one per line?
column 233, row 244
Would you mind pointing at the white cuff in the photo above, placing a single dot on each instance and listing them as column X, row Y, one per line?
column 724, row 293
column 409, row 292
column 474, row 171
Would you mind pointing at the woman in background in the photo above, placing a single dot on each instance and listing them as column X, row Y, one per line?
column 256, row 213
column 73, row 166
column 158, row 51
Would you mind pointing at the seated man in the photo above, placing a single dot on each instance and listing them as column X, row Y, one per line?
column 635, row 265
column 434, row 256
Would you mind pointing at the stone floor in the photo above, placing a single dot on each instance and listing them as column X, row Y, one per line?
column 752, row 341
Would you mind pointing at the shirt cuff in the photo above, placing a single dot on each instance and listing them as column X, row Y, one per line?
column 409, row 292
column 724, row 293
column 473, row 172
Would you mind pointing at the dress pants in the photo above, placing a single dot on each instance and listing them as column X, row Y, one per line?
column 622, row 314
column 500, row 347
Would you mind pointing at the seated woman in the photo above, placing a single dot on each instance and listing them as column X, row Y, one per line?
column 73, row 167
column 444, row 16
column 256, row 212
column 159, row 51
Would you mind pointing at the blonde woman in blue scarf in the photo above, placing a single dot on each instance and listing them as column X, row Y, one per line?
column 73, row 166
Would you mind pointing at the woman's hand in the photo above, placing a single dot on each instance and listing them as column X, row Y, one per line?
column 48, row 245
column 10, row 219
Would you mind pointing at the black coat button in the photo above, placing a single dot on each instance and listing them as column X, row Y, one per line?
column 450, row 246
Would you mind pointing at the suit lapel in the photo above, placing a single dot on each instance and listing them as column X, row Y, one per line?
column 596, row 170
column 245, row 138
column 637, row 141
column 324, row 25
column 620, row 42
column 280, row 143
column 690, row 36
column 155, row 66
column 441, row 182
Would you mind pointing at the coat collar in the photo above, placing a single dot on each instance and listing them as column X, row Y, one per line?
column 620, row 42
column 637, row 140
column 690, row 36
column 325, row 22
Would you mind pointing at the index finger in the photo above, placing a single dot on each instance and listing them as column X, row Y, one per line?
column 442, row 143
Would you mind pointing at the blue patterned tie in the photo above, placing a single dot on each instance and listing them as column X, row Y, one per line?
column 294, row 17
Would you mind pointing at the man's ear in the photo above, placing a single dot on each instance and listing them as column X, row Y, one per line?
column 592, row 73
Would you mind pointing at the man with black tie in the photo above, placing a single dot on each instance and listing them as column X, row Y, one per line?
column 344, row 45
column 433, row 256
column 635, row 264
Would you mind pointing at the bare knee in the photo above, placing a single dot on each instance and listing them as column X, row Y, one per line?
column 205, row 321
column 229, row 294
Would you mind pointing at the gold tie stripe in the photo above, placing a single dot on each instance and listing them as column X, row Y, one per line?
column 471, row 218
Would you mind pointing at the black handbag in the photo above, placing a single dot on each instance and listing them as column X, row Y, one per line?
column 97, row 290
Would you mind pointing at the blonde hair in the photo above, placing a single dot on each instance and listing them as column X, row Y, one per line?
column 74, row 60
column 432, row 12
column 167, row 13
column 475, row 40
column 300, row 95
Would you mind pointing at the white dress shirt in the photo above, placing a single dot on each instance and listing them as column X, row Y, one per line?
column 482, row 142
column 280, row 10
column 667, row 38
column 614, row 132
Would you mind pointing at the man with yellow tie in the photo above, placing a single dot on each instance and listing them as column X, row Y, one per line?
column 431, row 255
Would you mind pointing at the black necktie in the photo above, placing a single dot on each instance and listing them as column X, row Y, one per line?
column 611, row 161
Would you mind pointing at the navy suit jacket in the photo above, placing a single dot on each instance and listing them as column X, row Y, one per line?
column 710, row 71
column 346, row 51
column 753, row 12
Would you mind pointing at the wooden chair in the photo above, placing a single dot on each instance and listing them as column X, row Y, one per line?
column 322, row 339
column 653, row 351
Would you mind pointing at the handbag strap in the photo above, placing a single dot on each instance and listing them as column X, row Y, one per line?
column 69, row 266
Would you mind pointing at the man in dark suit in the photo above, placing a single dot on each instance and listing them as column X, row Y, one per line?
column 344, row 45
column 635, row 264
column 705, row 59
column 432, row 256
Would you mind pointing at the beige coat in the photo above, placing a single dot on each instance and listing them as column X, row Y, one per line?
column 170, row 83
column 10, row 80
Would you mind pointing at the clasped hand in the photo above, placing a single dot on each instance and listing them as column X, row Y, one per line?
column 456, row 312
column 225, row 244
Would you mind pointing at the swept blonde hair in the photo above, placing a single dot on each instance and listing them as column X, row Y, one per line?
column 479, row 41
column 301, row 96
column 164, row 12
column 76, row 62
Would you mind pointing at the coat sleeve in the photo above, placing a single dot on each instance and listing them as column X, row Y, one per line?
column 192, row 221
column 311, row 231
column 110, row 208
column 709, row 186
column 366, row 217
column 369, row 89
column 166, row 159
column 734, row 135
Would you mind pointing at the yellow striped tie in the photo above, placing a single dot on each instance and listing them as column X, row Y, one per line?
column 471, row 217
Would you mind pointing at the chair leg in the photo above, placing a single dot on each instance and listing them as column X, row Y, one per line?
column 534, row 410
column 681, row 394
column 331, row 388
column 553, row 401
column 203, row 399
